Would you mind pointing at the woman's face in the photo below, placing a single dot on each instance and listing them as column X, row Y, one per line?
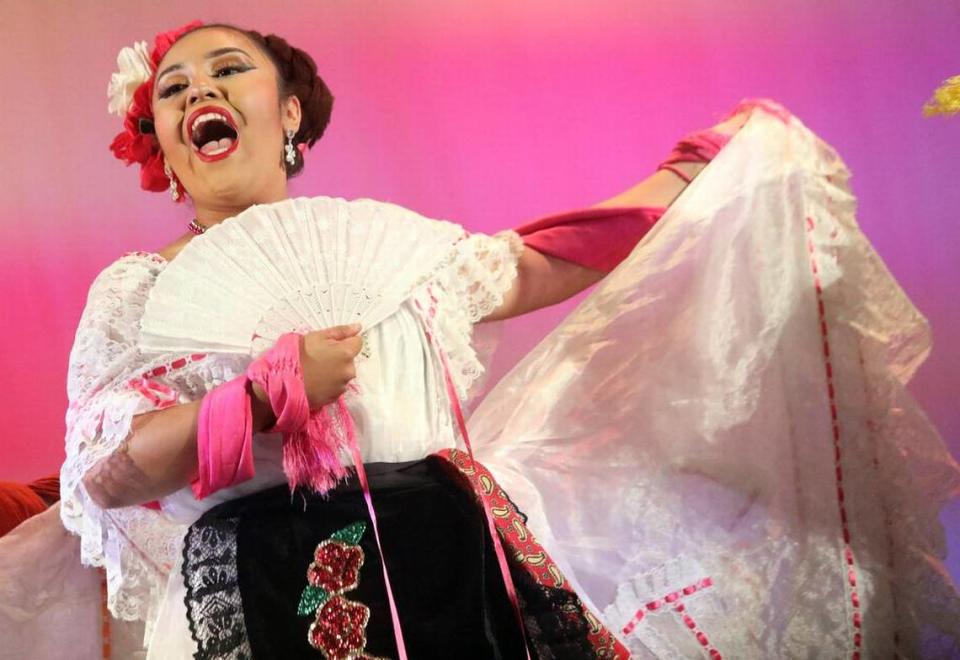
column 219, row 120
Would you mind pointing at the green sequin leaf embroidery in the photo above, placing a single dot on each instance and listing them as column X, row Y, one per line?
column 312, row 598
column 351, row 533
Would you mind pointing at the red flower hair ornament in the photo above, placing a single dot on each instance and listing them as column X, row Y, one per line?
column 130, row 92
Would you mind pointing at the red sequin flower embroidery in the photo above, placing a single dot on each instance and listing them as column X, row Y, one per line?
column 340, row 628
column 336, row 566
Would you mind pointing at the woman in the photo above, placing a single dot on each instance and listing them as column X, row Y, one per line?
column 226, row 575
column 228, row 110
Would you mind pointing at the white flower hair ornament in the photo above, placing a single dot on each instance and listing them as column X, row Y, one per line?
column 135, row 69
column 130, row 91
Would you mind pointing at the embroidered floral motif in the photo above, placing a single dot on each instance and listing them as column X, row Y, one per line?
column 340, row 631
column 340, row 628
column 336, row 566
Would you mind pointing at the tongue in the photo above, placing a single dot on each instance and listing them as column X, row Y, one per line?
column 214, row 146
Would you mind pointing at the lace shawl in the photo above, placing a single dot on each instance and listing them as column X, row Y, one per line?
column 110, row 380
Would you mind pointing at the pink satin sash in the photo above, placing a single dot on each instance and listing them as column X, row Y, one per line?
column 224, row 438
column 597, row 238
column 225, row 425
column 600, row 238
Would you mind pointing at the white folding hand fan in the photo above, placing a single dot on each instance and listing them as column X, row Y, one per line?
column 292, row 266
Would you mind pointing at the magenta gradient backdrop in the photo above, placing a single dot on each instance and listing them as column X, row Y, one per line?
column 487, row 112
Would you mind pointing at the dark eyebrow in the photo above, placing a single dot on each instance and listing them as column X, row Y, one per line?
column 174, row 67
column 223, row 51
column 213, row 53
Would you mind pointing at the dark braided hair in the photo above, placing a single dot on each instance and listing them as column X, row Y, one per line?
column 297, row 76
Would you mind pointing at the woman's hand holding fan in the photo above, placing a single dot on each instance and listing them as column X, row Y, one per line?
column 326, row 359
column 316, row 267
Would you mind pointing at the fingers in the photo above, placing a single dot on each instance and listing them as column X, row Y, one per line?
column 353, row 344
column 340, row 332
column 732, row 124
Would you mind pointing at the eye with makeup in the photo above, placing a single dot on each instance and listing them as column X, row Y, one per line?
column 170, row 89
column 230, row 68
column 220, row 70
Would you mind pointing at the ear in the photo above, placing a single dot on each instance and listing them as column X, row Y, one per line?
column 291, row 113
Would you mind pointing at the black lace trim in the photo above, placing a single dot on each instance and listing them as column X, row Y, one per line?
column 214, row 607
column 554, row 621
column 523, row 516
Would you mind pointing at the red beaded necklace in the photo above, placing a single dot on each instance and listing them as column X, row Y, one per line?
column 196, row 227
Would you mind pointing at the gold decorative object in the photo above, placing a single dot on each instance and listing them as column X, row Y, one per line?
column 946, row 99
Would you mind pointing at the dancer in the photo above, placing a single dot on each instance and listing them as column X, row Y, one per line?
column 175, row 478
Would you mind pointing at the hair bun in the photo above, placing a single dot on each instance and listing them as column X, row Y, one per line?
column 298, row 73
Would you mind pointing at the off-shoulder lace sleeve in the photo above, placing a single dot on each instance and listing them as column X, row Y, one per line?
column 134, row 544
column 480, row 273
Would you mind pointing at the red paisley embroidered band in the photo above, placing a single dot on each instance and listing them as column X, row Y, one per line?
column 525, row 551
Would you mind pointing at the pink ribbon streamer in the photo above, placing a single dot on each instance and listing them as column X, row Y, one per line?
column 462, row 427
column 368, row 498
column 491, row 525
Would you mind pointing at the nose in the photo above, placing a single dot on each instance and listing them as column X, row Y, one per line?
column 201, row 91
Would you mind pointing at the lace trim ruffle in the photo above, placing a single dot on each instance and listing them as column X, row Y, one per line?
column 653, row 612
column 481, row 273
column 896, row 473
column 109, row 381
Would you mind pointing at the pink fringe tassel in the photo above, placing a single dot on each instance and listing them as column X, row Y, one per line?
column 311, row 456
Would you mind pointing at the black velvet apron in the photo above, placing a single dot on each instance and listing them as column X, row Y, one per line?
column 246, row 565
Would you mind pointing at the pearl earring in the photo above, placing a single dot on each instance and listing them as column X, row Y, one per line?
column 291, row 154
column 174, row 190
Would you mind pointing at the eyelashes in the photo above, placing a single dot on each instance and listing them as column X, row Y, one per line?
column 218, row 72
column 170, row 90
column 232, row 68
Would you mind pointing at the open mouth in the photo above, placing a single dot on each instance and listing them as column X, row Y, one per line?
column 213, row 133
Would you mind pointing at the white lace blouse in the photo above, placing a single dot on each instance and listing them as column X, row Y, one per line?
column 402, row 411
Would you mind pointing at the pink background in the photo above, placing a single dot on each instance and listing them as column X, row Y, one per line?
column 485, row 112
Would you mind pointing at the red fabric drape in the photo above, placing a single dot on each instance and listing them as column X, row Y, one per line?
column 600, row 238
column 20, row 501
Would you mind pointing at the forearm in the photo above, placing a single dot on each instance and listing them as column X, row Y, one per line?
column 541, row 281
column 157, row 458
column 660, row 189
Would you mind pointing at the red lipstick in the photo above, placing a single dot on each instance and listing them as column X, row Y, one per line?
column 227, row 119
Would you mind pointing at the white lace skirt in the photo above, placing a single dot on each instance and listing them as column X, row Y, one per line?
column 717, row 444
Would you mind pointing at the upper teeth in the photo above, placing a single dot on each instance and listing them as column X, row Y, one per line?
column 208, row 116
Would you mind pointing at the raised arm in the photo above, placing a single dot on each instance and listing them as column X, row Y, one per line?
column 607, row 231
column 543, row 279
